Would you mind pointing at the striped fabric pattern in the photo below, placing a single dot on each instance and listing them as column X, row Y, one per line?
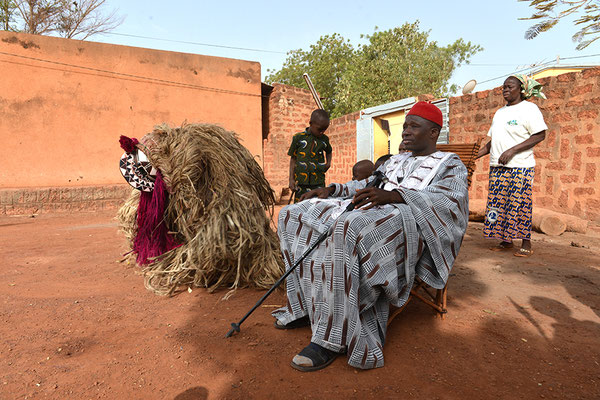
column 370, row 260
column 509, row 204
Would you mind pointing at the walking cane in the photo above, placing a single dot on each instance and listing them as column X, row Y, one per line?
column 235, row 327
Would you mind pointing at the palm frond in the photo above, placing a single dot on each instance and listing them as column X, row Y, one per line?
column 540, row 27
column 585, row 43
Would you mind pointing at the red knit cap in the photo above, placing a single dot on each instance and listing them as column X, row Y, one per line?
column 428, row 111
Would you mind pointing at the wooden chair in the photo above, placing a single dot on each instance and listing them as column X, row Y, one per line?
column 467, row 153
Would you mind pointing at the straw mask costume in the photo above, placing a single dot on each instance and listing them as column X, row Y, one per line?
column 198, row 216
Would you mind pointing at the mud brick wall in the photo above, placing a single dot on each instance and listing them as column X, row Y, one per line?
column 567, row 175
column 289, row 112
column 342, row 136
column 60, row 123
column 66, row 199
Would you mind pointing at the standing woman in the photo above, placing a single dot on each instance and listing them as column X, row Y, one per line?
column 516, row 129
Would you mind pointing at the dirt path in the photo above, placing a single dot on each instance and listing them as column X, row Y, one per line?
column 77, row 324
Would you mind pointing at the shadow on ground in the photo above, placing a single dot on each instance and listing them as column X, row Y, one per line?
column 508, row 334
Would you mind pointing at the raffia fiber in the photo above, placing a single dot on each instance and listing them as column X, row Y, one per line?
column 219, row 208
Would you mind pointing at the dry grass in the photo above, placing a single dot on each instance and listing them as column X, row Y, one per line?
column 219, row 207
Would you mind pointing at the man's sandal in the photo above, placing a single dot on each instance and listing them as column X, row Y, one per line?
column 313, row 358
column 297, row 323
column 523, row 252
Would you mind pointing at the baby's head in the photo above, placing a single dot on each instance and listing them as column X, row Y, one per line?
column 381, row 160
column 362, row 170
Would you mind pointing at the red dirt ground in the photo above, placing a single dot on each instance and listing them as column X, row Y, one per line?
column 77, row 324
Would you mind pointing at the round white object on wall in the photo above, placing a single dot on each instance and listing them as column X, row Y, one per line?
column 469, row 86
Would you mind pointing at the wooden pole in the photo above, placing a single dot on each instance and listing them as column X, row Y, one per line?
column 315, row 95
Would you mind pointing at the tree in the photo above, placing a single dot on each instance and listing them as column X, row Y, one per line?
column 400, row 63
column 37, row 16
column 392, row 65
column 550, row 12
column 66, row 18
column 325, row 62
column 85, row 19
column 7, row 9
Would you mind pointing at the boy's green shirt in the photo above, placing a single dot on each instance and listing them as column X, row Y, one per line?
column 309, row 152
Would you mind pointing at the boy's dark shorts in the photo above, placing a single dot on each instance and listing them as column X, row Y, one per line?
column 304, row 189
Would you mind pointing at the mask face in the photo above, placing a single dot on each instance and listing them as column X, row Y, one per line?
column 144, row 167
column 137, row 170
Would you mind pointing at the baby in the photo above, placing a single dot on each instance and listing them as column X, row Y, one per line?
column 362, row 170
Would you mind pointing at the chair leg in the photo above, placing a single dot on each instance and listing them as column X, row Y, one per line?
column 442, row 293
column 397, row 311
column 440, row 301
column 444, row 298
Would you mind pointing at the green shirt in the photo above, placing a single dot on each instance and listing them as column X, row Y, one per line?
column 309, row 152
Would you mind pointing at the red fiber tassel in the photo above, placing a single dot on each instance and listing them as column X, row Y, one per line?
column 128, row 144
column 152, row 237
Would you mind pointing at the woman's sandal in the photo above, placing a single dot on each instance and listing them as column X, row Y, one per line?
column 297, row 323
column 313, row 358
column 523, row 252
column 502, row 246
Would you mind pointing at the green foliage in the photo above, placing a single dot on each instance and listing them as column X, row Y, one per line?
column 392, row 65
column 552, row 11
column 325, row 62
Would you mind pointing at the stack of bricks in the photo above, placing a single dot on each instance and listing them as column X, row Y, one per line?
column 567, row 177
column 66, row 199
column 289, row 112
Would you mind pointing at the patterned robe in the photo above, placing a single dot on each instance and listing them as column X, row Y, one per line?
column 370, row 258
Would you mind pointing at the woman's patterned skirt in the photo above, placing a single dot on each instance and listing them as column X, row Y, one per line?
column 508, row 211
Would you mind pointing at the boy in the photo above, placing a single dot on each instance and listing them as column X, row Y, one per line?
column 310, row 155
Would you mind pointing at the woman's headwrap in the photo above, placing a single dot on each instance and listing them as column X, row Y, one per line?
column 530, row 87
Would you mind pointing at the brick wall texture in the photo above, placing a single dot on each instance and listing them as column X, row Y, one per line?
column 289, row 112
column 567, row 174
column 65, row 199
column 342, row 136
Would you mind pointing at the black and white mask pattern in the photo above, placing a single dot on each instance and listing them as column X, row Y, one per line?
column 137, row 170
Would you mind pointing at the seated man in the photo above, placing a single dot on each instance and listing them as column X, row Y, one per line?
column 362, row 170
column 414, row 225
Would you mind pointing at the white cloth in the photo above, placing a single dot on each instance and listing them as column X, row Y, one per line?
column 412, row 172
column 403, row 171
column 513, row 125
column 370, row 258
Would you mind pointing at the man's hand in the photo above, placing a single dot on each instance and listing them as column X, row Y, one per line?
column 506, row 157
column 292, row 185
column 371, row 197
column 322, row 193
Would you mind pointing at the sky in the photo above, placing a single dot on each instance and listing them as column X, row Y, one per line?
column 275, row 27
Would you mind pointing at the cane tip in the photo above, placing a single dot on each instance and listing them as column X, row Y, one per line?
column 234, row 328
